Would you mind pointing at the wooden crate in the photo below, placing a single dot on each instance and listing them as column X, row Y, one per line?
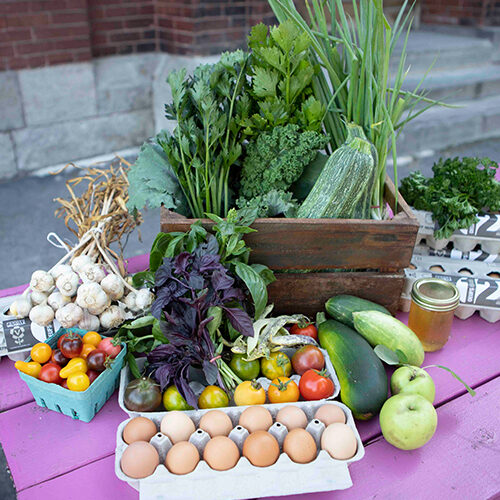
column 360, row 257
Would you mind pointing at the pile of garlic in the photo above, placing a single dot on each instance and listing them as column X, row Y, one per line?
column 82, row 294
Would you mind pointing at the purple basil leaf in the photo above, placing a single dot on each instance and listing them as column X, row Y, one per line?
column 182, row 262
column 232, row 294
column 196, row 281
column 208, row 262
column 240, row 320
column 163, row 273
column 210, row 371
column 221, row 280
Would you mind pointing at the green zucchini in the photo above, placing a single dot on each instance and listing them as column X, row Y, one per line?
column 341, row 307
column 363, row 380
column 379, row 328
column 344, row 187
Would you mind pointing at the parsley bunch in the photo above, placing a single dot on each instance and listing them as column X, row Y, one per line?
column 458, row 192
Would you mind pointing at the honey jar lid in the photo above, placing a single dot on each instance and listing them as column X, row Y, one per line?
column 435, row 294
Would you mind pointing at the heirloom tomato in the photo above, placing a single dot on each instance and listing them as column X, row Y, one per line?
column 32, row 368
column 142, row 394
column 246, row 370
column 86, row 350
column 75, row 365
column 213, row 397
column 78, row 382
column 249, row 393
column 92, row 375
column 59, row 358
column 50, row 373
column 71, row 345
column 277, row 365
column 172, row 400
column 283, row 390
column 62, row 337
column 308, row 357
column 96, row 360
column 307, row 329
column 315, row 385
column 109, row 348
column 92, row 338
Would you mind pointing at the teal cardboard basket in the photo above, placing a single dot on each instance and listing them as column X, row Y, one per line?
column 78, row 405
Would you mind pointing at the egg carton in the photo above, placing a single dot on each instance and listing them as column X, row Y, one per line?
column 18, row 336
column 485, row 233
column 197, row 387
column 245, row 480
column 453, row 253
column 478, row 284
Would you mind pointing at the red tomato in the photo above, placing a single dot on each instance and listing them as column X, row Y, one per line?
column 306, row 358
column 96, row 360
column 62, row 337
column 315, row 385
column 71, row 346
column 58, row 358
column 109, row 348
column 50, row 373
column 64, row 383
column 309, row 330
column 92, row 375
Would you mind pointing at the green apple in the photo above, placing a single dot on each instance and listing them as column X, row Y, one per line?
column 413, row 380
column 408, row 421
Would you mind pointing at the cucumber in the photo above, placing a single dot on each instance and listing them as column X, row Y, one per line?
column 378, row 328
column 341, row 308
column 363, row 380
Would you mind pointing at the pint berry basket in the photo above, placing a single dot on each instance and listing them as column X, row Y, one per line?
column 78, row 405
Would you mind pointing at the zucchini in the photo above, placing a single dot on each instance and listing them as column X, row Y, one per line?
column 363, row 380
column 341, row 307
column 343, row 189
column 379, row 328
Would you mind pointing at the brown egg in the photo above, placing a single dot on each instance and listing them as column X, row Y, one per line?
column 182, row 458
column 139, row 460
column 139, row 429
column 216, row 423
column 221, row 453
column 177, row 426
column 261, row 449
column 339, row 441
column 256, row 418
column 300, row 446
column 292, row 417
column 328, row 414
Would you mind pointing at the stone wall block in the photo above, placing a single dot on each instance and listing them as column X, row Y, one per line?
column 11, row 108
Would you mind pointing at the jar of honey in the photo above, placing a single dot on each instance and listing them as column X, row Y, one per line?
column 433, row 302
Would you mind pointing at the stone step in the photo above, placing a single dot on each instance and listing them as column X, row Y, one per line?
column 440, row 128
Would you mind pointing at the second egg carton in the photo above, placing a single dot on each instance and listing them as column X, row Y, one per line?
column 285, row 477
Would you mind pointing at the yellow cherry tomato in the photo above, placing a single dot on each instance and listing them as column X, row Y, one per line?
column 78, row 381
column 32, row 368
column 86, row 350
column 41, row 352
column 249, row 393
column 283, row 390
column 277, row 365
column 92, row 338
column 75, row 365
column 213, row 397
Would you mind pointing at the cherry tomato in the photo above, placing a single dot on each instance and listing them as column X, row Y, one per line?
column 74, row 365
column 246, row 370
column 78, row 382
column 278, row 365
column 213, row 397
column 172, row 400
column 41, row 352
column 315, row 385
column 64, row 383
column 249, row 393
column 142, row 394
column 92, row 338
column 62, row 337
column 58, row 358
column 109, row 348
column 308, row 357
column 96, row 360
column 86, row 350
column 283, row 390
column 71, row 346
column 50, row 373
column 32, row 368
column 307, row 329
column 92, row 375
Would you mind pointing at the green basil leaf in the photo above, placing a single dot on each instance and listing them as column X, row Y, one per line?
column 214, row 325
column 143, row 278
column 132, row 363
column 255, row 284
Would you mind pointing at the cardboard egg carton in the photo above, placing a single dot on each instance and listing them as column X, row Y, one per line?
column 126, row 377
column 453, row 253
column 285, row 477
column 485, row 233
column 478, row 284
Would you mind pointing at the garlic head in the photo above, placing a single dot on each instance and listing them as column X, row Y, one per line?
column 144, row 299
column 69, row 315
column 67, row 283
column 130, row 302
column 20, row 308
column 91, row 296
column 79, row 262
column 56, row 300
column 41, row 281
column 38, row 297
column 112, row 317
column 42, row 315
column 113, row 286
column 60, row 269
column 92, row 272
column 89, row 322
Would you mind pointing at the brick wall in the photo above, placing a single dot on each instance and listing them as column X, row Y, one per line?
column 461, row 12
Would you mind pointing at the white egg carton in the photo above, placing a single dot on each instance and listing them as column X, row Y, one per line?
column 245, row 480
column 126, row 377
column 486, row 233
column 478, row 284
column 453, row 253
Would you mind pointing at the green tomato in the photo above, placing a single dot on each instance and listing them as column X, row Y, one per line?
column 172, row 400
column 213, row 397
column 277, row 365
column 246, row 370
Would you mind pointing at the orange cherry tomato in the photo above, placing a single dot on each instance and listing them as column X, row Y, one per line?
column 86, row 350
column 92, row 338
column 41, row 352
column 283, row 390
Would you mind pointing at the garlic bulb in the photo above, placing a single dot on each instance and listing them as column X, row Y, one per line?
column 56, row 300
column 79, row 262
column 69, row 315
column 41, row 281
column 89, row 322
column 42, row 315
column 67, row 283
column 144, row 298
column 130, row 280
column 113, row 286
column 38, row 297
column 21, row 307
column 91, row 296
column 92, row 272
column 130, row 302
column 112, row 317
column 60, row 269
